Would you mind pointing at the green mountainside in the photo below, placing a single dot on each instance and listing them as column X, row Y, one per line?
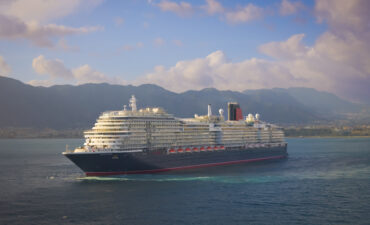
column 76, row 107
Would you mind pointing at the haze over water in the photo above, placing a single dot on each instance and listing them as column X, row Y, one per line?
column 324, row 181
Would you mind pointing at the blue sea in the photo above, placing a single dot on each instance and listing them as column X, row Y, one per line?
column 323, row 181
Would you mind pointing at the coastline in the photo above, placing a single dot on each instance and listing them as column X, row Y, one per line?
column 48, row 133
column 297, row 137
column 81, row 137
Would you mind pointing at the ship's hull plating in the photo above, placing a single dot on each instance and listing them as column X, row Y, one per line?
column 105, row 164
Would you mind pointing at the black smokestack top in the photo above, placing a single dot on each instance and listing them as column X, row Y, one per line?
column 232, row 109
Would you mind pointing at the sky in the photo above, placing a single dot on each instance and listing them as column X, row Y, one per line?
column 190, row 45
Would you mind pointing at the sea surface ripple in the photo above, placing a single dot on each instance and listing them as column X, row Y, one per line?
column 323, row 181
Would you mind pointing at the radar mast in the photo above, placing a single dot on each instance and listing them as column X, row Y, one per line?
column 133, row 103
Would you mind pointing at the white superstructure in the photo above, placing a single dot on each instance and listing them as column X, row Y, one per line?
column 153, row 128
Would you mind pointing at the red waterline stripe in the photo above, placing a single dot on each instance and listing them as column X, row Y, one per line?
column 182, row 167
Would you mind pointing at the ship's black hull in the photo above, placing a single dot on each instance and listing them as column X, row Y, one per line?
column 105, row 164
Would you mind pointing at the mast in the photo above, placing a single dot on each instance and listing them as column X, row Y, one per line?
column 209, row 111
column 133, row 103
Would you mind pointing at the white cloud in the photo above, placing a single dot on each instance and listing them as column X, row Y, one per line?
column 4, row 67
column 181, row 9
column 56, row 71
column 158, row 42
column 39, row 10
column 41, row 35
column 244, row 14
column 328, row 65
column 44, row 83
column 54, row 68
column 139, row 45
column 133, row 47
column 27, row 19
column 145, row 25
column 337, row 62
column 178, row 43
column 291, row 48
column 344, row 15
column 216, row 71
column 128, row 47
column 44, row 10
column 241, row 14
column 63, row 45
column 119, row 21
column 85, row 74
column 213, row 7
column 288, row 8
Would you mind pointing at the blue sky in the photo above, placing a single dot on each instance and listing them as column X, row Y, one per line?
column 184, row 45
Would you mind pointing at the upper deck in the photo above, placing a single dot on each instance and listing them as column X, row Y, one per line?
column 142, row 113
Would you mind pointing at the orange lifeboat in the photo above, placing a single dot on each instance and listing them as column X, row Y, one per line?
column 209, row 148
column 188, row 150
column 216, row 148
column 202, row 149
column 180, row 150
column 195, row 149
column 172, row 150
column 222, row 147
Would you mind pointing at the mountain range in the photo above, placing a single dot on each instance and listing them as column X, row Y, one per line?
column 69, row 107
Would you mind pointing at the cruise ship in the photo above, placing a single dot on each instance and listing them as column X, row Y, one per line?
column 149, row 140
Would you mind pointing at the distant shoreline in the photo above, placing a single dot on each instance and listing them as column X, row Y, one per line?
column 292, row 137
column 327, row 136
column 291, row 132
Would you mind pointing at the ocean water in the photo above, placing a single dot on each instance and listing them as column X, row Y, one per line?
column 323, row 181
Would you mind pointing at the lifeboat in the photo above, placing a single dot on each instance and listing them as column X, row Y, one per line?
column 180, row 150
column 222, row 147
column 188, row 149
column 195, row 149
column 216, row 148
column 202, row 149
column 172, row 150
column 209, row 148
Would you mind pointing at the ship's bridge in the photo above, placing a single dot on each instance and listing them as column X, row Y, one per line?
column 146, row 112
column 149, row 112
